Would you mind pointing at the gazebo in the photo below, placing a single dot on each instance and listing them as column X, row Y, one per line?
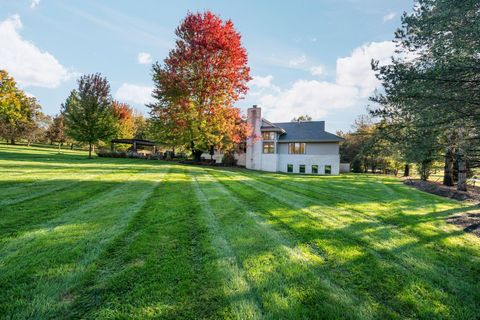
column 134, row 142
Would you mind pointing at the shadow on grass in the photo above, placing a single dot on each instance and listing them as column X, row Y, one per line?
column 52, row 246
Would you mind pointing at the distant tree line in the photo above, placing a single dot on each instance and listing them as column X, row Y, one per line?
column 88, row 116
column 367, row 151
column 20, row 115
column 195, row 89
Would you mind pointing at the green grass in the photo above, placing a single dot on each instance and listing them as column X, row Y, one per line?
column 123, row 238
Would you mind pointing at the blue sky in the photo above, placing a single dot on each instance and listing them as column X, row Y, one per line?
column 305, row 56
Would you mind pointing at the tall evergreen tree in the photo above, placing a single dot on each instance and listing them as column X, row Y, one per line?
column 433, row 89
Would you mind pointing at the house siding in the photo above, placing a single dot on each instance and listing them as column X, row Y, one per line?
column 313, row 148
column 308, row 160
column 269, row 162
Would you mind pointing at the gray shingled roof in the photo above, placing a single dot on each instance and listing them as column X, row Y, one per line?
column 306, row 131
column 267, row 125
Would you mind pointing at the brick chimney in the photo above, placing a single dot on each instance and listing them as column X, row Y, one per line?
column 254, row 148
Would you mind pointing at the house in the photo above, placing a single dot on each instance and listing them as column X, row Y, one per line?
column 293, row 147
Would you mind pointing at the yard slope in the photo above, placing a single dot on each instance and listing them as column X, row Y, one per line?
column 126, row 238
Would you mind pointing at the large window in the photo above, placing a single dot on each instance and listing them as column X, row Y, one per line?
column 328, row 169
column 314, row 168
column 268, row 135
column 301, row 168
column 296, row 148
column 269, row 147
column 290, row 168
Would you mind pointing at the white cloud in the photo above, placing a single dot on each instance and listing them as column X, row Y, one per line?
column 261, row 82
column 25, row 62
column 297, row 61
column 134, row 93
column 263, row 85
column 317, row 70
column 356, row 70
column 34, row 3
column 389, row 16
column 354, row 82
column 144, row 58
column 308, row 97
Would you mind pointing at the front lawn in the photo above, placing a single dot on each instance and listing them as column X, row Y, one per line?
column 127, row 238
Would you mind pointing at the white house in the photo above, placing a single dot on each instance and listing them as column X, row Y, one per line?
column 296, row 147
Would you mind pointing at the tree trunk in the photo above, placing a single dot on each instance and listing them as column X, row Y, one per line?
column 212, row 152
column 90, row 150
column 424, row 170
column 71, row 146
column 12, row 141
column 406, row 170
column 197, row 154
column 59, row 148
column 462, row 172
column 448, row 169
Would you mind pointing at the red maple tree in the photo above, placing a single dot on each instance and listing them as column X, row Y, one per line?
column 197, row 85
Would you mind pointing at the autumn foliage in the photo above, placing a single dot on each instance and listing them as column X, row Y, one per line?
column 126, row 119
column 197, row 85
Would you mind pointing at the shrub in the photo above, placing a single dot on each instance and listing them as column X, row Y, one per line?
column 357, row 166
column 424, row 169
column 229, row 159
column 111, row 154
column 129, row 154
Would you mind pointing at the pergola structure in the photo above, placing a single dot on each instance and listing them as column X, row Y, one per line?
column 135, row 143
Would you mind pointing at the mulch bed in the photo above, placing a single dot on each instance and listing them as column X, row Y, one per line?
column 439, row 189
column 469, row 221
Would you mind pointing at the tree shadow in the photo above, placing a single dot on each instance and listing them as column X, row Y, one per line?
column 397, row 264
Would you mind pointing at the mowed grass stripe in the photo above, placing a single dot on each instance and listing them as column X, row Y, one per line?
column 32, row 213
column 162, row 266
column 280, row 270
column 352, row 254
column 38, row 270
column 244, row 303
column 408, row 236
column 406, row 251
column 112, row 195
column 24, row 192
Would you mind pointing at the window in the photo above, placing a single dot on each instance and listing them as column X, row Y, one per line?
column 290, row 168
column 301, row 168
column 269, row 147
column 269, row 135
column 328, row 169
column 314, row 168
column 296, row 148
